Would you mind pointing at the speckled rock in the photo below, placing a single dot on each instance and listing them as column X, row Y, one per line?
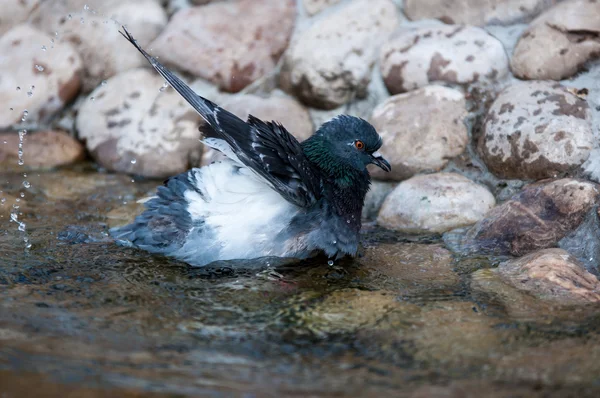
column 421, row 131
column 329, row 63
column 103, row 50
column 39, row 82
column 537, row 218
column 43, row 149
column 313, row 7
column 441, row 53
column 435, row 203
column 14, row 12
column 535, row 130
column 204, row 41
column 129, row 125
column 475, row 12
column 551, row 274
column 374, row 199
column 559, row 42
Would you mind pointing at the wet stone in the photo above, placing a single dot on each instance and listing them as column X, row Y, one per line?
column 203, row 41
column 421, row 130
column 452, row 54
column 536, row 218
column 35, row 81
column 535, row 130
column 134, row 125
column 558, row 43
column 435, row 203
column 329, row 63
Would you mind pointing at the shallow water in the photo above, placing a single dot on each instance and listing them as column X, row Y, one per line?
column 79, row 315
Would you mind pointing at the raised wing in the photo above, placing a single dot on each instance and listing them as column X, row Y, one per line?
column 267, row 148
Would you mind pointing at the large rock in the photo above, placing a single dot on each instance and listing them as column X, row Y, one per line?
column 435, row 203
column 103, row 50
column 535, row 130
column 44, row 149
column 537, row 218
column 14, row 12
column 421, row 130
column 441, row 53
column 133, row 125
column 559, row 42
column 378, row 191
column 553, row 275
column 329, row 64
column 475, row 12
column 231, row 44
column 33, row 80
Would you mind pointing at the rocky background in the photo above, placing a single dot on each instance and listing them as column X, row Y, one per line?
column 490, row 110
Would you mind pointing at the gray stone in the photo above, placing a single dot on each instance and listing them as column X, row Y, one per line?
column 375, row 197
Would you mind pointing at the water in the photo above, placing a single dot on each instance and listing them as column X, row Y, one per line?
column 79, row 314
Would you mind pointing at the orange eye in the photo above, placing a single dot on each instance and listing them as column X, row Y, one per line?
column 359, row 145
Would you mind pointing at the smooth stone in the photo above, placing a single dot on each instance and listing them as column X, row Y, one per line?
column 475, row 12
column 536, row 218
column 43, row 149
column 134, row 125
column 374, row 199
column 421, row 131
column 535, row 130
column 558, row 43
column 451, row 54
column 435, row 203
column 329, row 63
column 94, row 32
column 14, row 12
column 39, row 82
column 203, row 40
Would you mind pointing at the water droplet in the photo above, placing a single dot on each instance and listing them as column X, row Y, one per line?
column 30, row 93
column 20, row 162
column 21, row 227
column 3, row 201
column 32, row 87
column 92, row 98
column 103, row 83
column 12, row 109
column 330, row 263
column 22, row 194
column 25, row 112
column 82, row 20
column 56, row 33
column 348, row 221
column 27, row 185
column 334, row 242
column 86, row 7
column 39, row 67
column 133, row 161
column 164, row 87
column 44, row 48
column 69, row 17
column 18, row 88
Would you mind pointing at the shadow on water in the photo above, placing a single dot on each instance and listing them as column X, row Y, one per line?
column 80, row 315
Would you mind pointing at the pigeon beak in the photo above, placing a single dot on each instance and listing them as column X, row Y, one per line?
column 379, row 161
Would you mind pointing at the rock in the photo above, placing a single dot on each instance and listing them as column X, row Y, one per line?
column 313, row 7
column 204, row 41
column 375, row 197
column 329, row 64
column 421, row 131
column 14, row 12
column 286, row 110
column 584, row 242
column 553, row 275
column 33, row 80
column 452, row 54
column 135, row 126
column 103, row 50
column 44, row 149
column 475, row 12
column 537, row 218
column 435, row 203
column 535, row 130
column 559, row 42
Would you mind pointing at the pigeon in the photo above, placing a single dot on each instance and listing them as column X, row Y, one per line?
column 272, row 196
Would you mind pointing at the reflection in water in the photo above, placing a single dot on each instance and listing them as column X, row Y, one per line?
column 81, row 315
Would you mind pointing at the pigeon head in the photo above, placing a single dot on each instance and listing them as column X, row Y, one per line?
column 344, row 146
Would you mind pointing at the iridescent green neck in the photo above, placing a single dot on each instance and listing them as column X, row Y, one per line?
column 318, row 152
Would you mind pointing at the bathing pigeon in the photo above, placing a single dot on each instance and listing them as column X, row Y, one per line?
column 272, row 196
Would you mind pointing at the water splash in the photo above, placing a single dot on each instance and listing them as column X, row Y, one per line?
column 15, row 211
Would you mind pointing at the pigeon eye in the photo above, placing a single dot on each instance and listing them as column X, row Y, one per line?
column 359, row 145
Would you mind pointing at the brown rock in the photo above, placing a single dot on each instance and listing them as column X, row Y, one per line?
column 44, row 149
column 207, row 41
column 133, row 125
column 553, row 275
column 96, row 37
column 14, row 12
column 536, row 130
column 557, row 44
column 456, row 54
column 33, row 80
column 329, row 63
column 475, row 12
column 421, row 131
column 537, row 218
